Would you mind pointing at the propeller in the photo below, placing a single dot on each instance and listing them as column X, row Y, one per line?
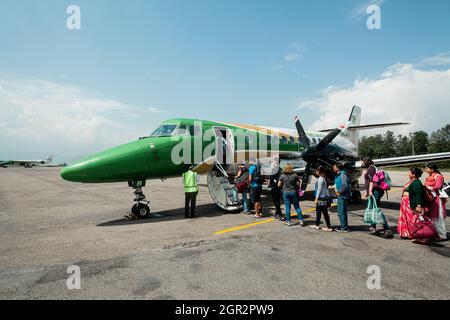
column 304, row 140
column 311, row 153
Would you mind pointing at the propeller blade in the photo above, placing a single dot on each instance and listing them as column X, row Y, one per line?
column 331, row 136
column 304, row 140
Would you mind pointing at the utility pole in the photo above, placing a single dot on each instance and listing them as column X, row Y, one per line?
column 413, row 149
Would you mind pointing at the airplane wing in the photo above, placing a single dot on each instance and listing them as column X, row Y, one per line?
column 300, row 170
column 372, row 126
column 409, row 160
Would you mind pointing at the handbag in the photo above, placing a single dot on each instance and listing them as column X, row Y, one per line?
column 322, row 204
column 373, row 214
column 325, row 202
column 444, row 193
column 428, row 196
column 423, row 228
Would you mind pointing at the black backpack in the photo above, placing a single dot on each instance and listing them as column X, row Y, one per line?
column 257, row 178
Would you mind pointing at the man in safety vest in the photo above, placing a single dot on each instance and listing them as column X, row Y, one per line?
column 190, row 181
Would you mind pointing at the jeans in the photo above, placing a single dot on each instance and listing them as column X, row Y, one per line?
column 378, row 194
column 245, row 200
column 342, row 212
column 292, row 198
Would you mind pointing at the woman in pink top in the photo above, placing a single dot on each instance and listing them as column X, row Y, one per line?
column 436, row 210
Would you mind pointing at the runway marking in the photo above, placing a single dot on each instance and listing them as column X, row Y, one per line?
column 251, row 225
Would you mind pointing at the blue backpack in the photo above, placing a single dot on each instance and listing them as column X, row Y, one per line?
column 345, row 191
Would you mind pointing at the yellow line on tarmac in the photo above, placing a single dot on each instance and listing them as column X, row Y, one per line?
column 246, row 226
column 251, row 225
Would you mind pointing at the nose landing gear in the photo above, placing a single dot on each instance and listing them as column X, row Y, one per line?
column 141, row 209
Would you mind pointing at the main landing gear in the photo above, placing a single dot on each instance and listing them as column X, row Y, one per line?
column 141, row 209
column 356, row 197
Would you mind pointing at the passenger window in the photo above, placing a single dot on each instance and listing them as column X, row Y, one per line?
column 291, row 140
column 283, row 140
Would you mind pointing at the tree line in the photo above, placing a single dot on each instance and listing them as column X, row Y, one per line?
column 389, row 145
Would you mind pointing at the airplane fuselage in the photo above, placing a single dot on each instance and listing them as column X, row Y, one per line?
column 156, row 157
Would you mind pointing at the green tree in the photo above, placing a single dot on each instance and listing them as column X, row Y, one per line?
column 404, row 146
column 421, row 142
column 440, row 140
column 371, row 146
column 389, row 146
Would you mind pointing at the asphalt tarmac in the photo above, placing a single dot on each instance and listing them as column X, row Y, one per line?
column 47, row 225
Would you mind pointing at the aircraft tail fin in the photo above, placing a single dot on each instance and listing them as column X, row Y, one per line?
column 50, row 159
column 354, row 126
column 354, row 120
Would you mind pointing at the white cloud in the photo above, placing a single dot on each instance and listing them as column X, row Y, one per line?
column 276, row 66
column 360, row 11
column 439, row 59
column 155, row 110
column 298, row 49
column 298, row 46
column 291, row 57
column 402, row 93
column 36, row 113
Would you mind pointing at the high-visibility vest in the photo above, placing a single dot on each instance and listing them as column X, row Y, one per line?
column 190, row 181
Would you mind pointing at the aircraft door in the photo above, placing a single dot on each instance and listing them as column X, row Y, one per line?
column 224, row 146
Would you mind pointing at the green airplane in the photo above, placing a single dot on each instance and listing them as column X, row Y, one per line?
column 216, row 149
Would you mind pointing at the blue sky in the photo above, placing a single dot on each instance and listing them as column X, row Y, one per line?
column 140, row 62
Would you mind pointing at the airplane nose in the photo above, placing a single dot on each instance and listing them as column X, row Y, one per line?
column 75, row 172
column 121, row 163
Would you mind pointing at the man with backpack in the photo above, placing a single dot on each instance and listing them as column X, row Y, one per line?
column 377, row 183
column 276, row 190
column 255, row 180
column 242, row 186
column 343, row 192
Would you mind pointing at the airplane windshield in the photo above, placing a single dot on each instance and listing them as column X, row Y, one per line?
column 164, row 130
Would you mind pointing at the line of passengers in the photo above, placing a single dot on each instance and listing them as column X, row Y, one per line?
column 422, row 211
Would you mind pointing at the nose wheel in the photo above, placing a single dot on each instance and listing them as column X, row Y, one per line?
column 141, row 209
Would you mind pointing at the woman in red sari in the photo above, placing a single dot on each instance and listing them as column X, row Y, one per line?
column 411, row 205
column 436, row 210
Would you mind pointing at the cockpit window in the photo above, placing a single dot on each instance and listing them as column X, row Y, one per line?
column 182, row 130
column 164, row 130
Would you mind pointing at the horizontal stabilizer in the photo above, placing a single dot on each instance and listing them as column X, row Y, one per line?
column 372, row 126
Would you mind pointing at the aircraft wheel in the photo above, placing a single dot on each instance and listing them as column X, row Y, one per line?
column 141, row 210
column 356, row 197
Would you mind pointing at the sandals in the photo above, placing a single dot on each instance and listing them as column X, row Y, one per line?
column 315, row 227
